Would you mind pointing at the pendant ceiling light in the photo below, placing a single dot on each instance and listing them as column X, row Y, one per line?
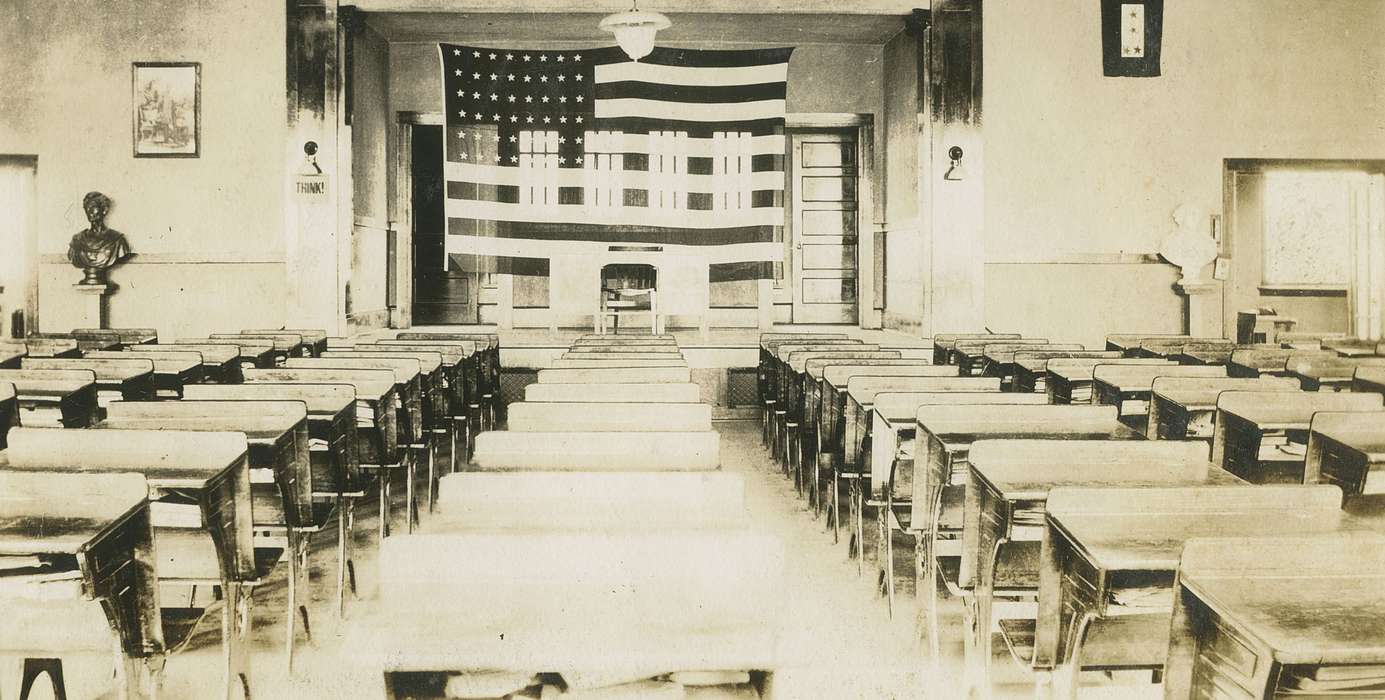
column 635, row 29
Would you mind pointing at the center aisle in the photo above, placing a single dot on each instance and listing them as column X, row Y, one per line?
column 838, row 641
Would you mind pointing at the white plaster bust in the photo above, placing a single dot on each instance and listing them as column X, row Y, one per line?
column 1189, row 246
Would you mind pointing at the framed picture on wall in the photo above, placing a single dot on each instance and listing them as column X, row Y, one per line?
column 167, row 107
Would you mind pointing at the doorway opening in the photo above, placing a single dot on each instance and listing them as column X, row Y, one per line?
column 18, row 269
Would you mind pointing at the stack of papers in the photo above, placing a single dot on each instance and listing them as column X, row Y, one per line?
column 1334, row 681
column 1136, row 600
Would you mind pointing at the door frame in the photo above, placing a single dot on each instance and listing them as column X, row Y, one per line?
column 26, row 287
column 1239, row 293
column 400, row 272
column 776, row 295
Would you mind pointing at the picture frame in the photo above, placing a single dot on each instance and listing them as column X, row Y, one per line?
column 166, row 109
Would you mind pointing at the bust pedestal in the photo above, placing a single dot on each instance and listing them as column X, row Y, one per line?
column 1203, row 307
column 95, row 303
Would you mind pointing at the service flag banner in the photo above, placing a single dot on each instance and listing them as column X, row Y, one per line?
column 551, row 152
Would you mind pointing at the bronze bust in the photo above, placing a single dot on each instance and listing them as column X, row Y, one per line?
column 97, row 249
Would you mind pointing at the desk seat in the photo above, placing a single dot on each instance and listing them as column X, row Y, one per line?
column 619, row 417
column 616, row 451
column 614, row 393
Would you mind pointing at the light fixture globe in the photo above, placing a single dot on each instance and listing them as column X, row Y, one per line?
column 634, row 30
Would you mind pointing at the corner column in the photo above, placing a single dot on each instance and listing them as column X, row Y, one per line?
column 316, row 179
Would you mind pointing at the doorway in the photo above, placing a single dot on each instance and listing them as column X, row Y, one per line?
column 824, row 225
column 18, row 270
column 1307, row 240
column 443, row 293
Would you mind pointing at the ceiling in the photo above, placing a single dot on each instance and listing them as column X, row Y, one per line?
column 499, row 28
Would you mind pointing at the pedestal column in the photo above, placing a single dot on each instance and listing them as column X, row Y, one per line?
column 95, row 304
column 1203, row 303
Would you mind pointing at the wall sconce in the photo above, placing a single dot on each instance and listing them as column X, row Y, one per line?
column 634, row 30
column 955, row 171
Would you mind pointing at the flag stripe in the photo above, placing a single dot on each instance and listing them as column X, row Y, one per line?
column 696, row 147
column 758, row 127
column 691, row 93
column 618, row 234
column 614, row 215
column 587, row 177
column 690, row 111
column 702, row 58
column 646, row 72
column 519, row 248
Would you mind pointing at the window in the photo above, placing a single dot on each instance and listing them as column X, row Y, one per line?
column 1308, row 229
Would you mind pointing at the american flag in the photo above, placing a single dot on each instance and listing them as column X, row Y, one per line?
column 548, row 151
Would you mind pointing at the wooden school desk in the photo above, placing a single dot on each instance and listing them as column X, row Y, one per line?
column 945, row 344
column 314, row 339
column 253, row 353
column 1261, row 360
column 1177, row 349
column 1127, row 387
column 1031, row 366
column 172, row 370
column 336, row 477
column 765, row 385
column 128, row 379
column 55, row 398
column 999, row 360
column 468, row 380
column 281, row 485
column 207, row 541
column 1369, row 379
column 35, row 346
column 1318, row 373
column 286, row 345
column 91, row 577
column 894, row 419
column 377, row 437
column 1008, row 484
column 1129, row 343
column 1285, row 617
column 927, row 499
column 971, row 353
column 1263, row 437
column 800, row 423
column 220, row 363
column 1111, row 556
column 1185, row 408
column 832, row 403
column 779, row 381
column 1069, row 381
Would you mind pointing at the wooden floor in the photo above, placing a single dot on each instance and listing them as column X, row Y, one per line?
column 838, row 641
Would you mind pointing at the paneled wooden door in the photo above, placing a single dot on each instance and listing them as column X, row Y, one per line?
column 824, row 226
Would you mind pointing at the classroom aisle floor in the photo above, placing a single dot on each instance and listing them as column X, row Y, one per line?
column 838, row 641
